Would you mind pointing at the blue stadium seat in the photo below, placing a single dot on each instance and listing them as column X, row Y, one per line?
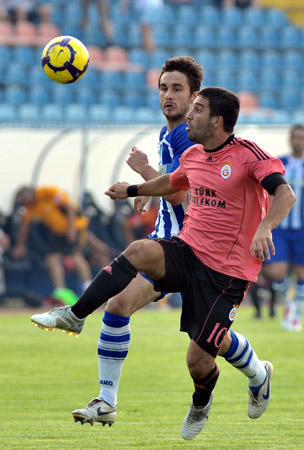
column 226, row 78
column 232, row 17
column 91, row 79
column 206, row 58
column 99, row 114
column 38, row 77
column 161, row 35
column 181, row 36
column 249, row 59
column 298, row 116
column 275, row 17
column 52, row 112
column 152, row 99
column 134, row 80
column 29, row 113
column 293, row 59
column 134, row 36
column 74, row 113
column 187, row 15
column 26, row 56
column 61, row 94
column 158, row 57
column 271, row 59
column 109, row 97
column 280, row 117
column 269, row 38
column 123, row 115
column 289, row 98
column 254, row 17
column 85, row 96
column 292, row 78
column 6, row 54
column 209, row 15
column 94, row 35
column 165, row 15
column 204, row 37
column 17, row 74
column 14, row 95
column 144, row 116
column 138, row 55
column 39, row 95
column 8, row 113
column 226, row 59
column 247, row 80
column 268, row 99
column 133, row 99
column 110, row 79
column 226, row 38
column 269, row 80
column 248, row 38
column 291, row 38
column 120, row 36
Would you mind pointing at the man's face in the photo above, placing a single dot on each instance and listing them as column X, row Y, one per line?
column 174, row 95
column 297, row 143
column 199, row 121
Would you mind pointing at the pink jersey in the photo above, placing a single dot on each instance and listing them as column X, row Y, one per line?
column 227, row 203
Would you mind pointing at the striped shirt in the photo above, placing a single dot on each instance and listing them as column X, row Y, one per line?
column 294, row 174
column 171, row 146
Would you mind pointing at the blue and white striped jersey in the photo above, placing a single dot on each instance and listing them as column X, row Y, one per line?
column 295, row 176
column 171, row 146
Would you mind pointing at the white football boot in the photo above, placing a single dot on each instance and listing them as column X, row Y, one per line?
column 62, row 318
column 195, row 420
column 97, row 410
column 259, row 401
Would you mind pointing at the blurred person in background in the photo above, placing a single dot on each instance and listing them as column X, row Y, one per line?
column 63, row 232
column 26, row 10
column 146, row 12
column 105, row 22
column 288, row 238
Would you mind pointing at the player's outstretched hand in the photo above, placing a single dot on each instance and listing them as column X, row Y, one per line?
column 118, row 190
column 137, row 160
column 261, row 244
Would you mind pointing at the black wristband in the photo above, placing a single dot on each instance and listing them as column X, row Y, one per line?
column 132, row 190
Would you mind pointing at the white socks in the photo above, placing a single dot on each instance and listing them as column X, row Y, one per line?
column 113, row 347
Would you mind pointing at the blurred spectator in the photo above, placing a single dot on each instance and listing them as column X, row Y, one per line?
column 26, row 10
column 243, row 4
column 4, row 245
column 259, row 292
column 145, row 11
column 138, row 226
column 63, row 232
column 105, row 22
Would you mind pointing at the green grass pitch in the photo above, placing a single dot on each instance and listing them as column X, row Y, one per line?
column 44, row 376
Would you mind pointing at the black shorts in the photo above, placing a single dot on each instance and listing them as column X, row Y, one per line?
column 210, row 299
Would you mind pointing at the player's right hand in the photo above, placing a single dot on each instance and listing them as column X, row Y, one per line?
column 137, row 160
column 118, row 190
column 140, row 203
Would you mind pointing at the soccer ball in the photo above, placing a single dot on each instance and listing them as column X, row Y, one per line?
column 65, row 59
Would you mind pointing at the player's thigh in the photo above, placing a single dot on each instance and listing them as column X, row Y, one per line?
column 277, row 271
column 139, row 293
column 147, row 255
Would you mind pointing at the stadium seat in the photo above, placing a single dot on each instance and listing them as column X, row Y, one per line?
column 61, row 94
column 248, row 38
column 292, row 78
column 138, row 55
column 39, row 95
column 298, row 116
column 293, row 59
column 29, row 113
column 269, row 38
column 38, row 77
column 91, row 79
column 72, row 13
column 231, row 17
column 291, row 38
column 206, row 58
column 52, row 112
column 14, row 95
column 17, row 74
column 204, row 36
column 6, row 53
column 275, row 17
column 226, row 59
column 134, row 36
column 152, row 99
column 268, row 99
column 289, row 99
column 181, row 36
column 226, row 38
column 249, row 59
column 110, row 79
column 254, row 17
column 93, row 35
column 109, row 98
column 99, row 114
column 271, row 59
column 158, row 57
column 280, row 117
column 269, row 80
column 123, row 115
column 144, row 116
column 85, row 96
column 133, row 99
column 209, row 15
column 7, row 113
column 187, row 15
column 74, row 113
column 162, row 36
column 166, row 15
column 247, row 80
column 226, row 78
column 25, row 56
column 134, row 80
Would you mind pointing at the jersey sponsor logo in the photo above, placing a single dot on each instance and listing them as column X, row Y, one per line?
column 232, row 314
column 106, row 382
column 226, row 170
column 206, row 197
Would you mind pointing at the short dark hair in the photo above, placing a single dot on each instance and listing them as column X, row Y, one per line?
column 186, row 65
column 296, row 127
column 224, row 103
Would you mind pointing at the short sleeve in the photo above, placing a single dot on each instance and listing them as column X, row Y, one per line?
column 180, row 143
column 179, row 179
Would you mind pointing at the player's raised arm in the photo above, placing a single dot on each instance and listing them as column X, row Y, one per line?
column 157, row 187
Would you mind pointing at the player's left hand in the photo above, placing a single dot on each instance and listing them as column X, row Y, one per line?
column 118, row 190
column 261, row 244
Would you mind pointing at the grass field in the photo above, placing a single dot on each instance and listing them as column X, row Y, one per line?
column 44, row 376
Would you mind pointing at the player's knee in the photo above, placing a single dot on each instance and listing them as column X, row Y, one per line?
column 140, row 251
